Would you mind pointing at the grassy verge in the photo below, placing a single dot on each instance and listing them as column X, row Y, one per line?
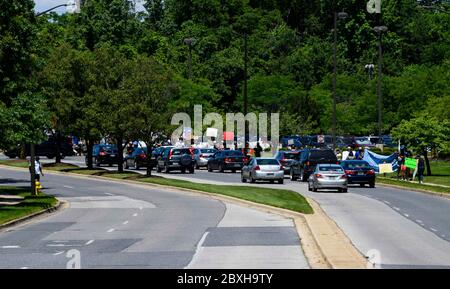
column 31, row 204
column 285, row 199
column 409, row 185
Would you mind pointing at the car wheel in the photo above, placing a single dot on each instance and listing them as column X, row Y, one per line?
column 197, row 167
column 281, row 181
column 50, row 157
column 158, row 169
column 372, row 185
column 309, row 187
column 234, row 171
column 244, row 180
column 110, row 165
column 125, row 165
column 183, row 170
column 221, row 168
column 344, row 190
column 272, row 181
column 314, row 189
column 97, row 162
column 191, row 170
column 293, row 176
column 304, row 177
column 136, row 165
column 252, row 180
column 210, row 169
column 361, row 185
column 166, row 169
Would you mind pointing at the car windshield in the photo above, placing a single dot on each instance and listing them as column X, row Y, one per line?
column 357, row 165
column 322, row 154
column 267, row 162
column 181, row 152
column 208, row 151
column 233, row 153
column 291, row 156
column 334, row 169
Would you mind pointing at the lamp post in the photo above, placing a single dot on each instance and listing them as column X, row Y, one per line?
column 337, row 16
column 380, row 30
column 190, row 42
column 370, row 68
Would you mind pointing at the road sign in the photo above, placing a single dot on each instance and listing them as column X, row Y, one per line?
column 385, row 168
column 211, row 132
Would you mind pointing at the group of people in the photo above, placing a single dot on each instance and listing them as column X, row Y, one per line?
column 405, row 173
column 350, row 154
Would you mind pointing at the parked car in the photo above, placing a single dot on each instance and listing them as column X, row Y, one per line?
column 201, row 157
column 328, row 176
column 359, row 172
column 263, row 169
column 46, row 148
column 227, row 160
column 104, row 154
column 137, row 159
column 308, row 160
column 176, row 159
column 287, row 158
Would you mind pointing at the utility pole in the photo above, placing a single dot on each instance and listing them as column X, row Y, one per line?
column 340, row 15
column 246, row 86
column 380, row 30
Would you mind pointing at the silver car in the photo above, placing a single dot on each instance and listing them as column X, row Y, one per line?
column 263, row 169
column 202, row 156
column 328, row 177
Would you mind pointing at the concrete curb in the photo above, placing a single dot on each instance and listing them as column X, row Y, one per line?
column 323, row 242
column 59, row 205
column 443, row 195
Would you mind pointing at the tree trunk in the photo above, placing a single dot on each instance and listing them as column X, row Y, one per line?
column 58, row 147
column 89, row 146
column 120, row 152
column 149, row 159
column 427, row 163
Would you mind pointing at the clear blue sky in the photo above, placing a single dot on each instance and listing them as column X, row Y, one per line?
column 42, row 5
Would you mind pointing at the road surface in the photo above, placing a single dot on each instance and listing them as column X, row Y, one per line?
column 114, row 225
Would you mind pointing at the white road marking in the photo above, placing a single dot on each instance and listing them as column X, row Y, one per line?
column 23, row 268
column 10, row 247
column 198, row 249
column 68, row 187
column 108, row 194
column 135, row 215
column 433, row 229
column 406, row 215
column 89, row 242
column 59, row 245
column 111, row 230
column 58, row 253
column 386, row 202
column 397, row 209
column 419, row 221
column 126, row 222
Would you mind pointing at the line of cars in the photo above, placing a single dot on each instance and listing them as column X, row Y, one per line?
column 319, row 167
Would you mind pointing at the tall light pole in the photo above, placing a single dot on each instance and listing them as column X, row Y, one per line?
column 380, row 30
column 370, row 68
column 190, row 42
column 337, row 16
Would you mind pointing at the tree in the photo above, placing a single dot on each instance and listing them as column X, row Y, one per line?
column 424, row 133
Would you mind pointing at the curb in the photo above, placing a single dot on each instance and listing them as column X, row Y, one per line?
column 324, row 244
column 443, row 195
column 59, row 205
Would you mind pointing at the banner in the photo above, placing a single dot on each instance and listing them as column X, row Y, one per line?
column 410, row 163
column 211, row 132
column 375, row 160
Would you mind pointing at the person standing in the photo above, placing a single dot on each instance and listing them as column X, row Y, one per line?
column 420, row 169
column 37, row 169
column 258, row 150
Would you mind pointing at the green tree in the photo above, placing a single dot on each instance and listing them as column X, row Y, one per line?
column 424, row 133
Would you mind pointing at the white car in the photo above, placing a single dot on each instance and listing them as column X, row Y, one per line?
column 267, row 169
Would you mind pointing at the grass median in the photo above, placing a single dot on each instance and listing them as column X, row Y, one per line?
column 29, row 205
column 279, row 198
column 415, row 186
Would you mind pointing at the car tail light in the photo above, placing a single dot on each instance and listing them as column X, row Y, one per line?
column 344, row 177
column 348, row 172
column 170, row 155
column 245, row 160
column 142, row 156
column 308, row 163
column 102, row 153
column 319, row 176
column 281, row 168
column 257, row 168
column 227, row 160
column 202, row 156
column 371, row 172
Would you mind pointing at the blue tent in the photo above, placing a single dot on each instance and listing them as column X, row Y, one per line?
column 374, row 159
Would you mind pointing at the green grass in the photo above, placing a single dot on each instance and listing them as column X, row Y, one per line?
column 14, row 163
column 31, row 204
column 410, row 185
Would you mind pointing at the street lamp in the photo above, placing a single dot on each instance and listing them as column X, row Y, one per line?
column 380, row 30
column 190, row 42
column 337, row 16
column 370, row 68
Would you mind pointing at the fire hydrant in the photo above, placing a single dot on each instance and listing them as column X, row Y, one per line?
column 38, row 187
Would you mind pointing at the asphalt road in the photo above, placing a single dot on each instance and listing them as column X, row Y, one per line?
column 405, row 229
column 115, row 225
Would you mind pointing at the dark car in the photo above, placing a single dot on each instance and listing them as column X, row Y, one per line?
column 287, row 158
column 227, row 160
column 308, row 160
column 47, row 148
column 359, row 172
column 176, row 159
column 137, row 159
column 104, row 154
